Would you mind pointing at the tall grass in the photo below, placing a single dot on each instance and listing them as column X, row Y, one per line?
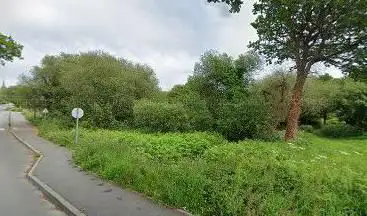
column 208, row 175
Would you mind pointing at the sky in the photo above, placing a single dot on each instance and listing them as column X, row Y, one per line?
column 168, row 35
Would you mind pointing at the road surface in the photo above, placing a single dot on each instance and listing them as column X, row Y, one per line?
column 18, row 197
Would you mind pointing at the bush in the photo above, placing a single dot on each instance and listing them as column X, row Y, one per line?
column 246, row 119
column 160, row 116
column 199, row 116
column 339, row 130
column 307, row 128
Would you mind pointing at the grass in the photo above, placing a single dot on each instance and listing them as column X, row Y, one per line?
column 208, row 175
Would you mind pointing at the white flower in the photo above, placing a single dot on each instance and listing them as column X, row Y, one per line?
column 344, row 153
column 357, row 153
column 322, row 156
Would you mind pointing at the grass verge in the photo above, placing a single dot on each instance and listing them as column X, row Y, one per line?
column 208, row 175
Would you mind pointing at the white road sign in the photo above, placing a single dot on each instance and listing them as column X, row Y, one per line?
column 45, row 111
column 77, row 113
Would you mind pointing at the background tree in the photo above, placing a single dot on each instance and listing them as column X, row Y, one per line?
column 218, row 77
column 103, row 85
column 235, row 4
column 358, row 69
column 308, row 31
column 351, row 103
column 276, row 92
column 200, row 119
column 9, row 49
column 319, row 99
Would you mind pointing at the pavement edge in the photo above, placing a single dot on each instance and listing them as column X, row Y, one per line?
column 54, row 197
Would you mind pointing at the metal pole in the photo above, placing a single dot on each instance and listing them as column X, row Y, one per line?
column 76, row 129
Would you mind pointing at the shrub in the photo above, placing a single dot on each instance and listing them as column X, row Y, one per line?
column 307, row 128
column 339, row 130
column 160, row 116
column 199, row 116
column 246, row 119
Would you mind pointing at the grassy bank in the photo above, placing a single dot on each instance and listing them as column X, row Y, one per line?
column 208, row 175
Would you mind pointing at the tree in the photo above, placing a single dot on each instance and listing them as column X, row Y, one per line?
column 319, row 98
column 351, row 103
column 276, row 91
column 9, row 49
column 218, row 77
column 309, row 31
column 325, row 77
column 235, row 4
column 358, row 70
column 200, row 119
column 103, row 85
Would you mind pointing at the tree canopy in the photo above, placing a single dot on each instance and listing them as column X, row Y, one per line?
column 9, row 49
column 103, row 85
column 308, row 31
column 234, row 4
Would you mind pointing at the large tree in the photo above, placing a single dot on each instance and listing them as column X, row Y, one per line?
column 9, row 49
column 103, row 85
column 218, row 77
column 308, row 31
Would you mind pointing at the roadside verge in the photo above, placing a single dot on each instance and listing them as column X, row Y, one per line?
column 54, row 197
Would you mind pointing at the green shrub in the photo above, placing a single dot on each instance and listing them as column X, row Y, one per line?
column 160, row 117
column 307, row 128
column 246, row 119
column 199, row 116
column 3, row 100
column 339, row 130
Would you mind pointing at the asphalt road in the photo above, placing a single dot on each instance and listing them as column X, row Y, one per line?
column 18, row 197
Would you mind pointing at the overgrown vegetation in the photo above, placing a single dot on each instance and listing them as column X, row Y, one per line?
column 207, row 175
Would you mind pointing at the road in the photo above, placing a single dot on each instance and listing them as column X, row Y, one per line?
column 18, row 197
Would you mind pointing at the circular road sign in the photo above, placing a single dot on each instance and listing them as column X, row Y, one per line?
column 77, row 113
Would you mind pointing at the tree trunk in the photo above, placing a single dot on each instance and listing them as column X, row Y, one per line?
column 295, row 106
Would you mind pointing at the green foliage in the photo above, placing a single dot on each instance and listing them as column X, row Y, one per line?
column 200, row 119
column 104, row 86
column 160, row 116
column 3, row 100
column 234, row 4
column 311, row 31
column 358, row 70
column 351, row 104
column 9, row 49
column 276, row 91
column 249, row 118
column 339, row 130
column 329, row 31
column 219, row 77
column 306, row 128
column 206, row 175
column 325, row 77
column 319, row 99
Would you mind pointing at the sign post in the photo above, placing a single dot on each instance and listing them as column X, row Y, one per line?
column 77, row 113
column 45, row 111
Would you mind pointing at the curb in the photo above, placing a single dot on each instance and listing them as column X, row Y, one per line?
column 54, row 197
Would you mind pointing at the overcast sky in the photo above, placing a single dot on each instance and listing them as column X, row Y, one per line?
column 169, row 35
